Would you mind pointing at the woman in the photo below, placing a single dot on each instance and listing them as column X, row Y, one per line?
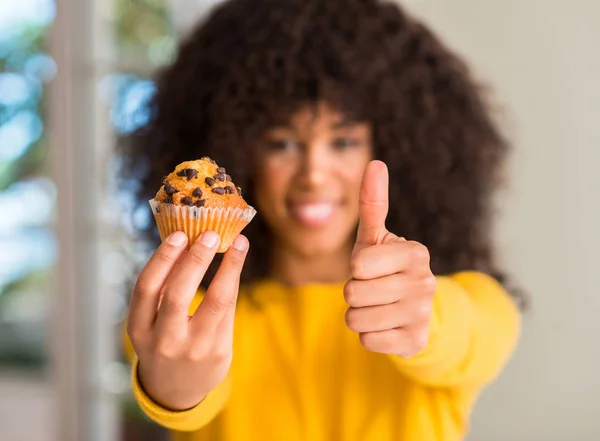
column 341, row 330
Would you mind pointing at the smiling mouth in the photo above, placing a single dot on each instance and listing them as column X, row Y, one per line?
column 313, row 214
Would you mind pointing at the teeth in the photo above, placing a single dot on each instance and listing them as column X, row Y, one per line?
column 314, row 212
column 317, row 210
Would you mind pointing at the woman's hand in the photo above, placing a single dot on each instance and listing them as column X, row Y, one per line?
column 182, row 358
column 391, row 290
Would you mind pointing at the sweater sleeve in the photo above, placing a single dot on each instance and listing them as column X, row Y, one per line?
column 474, row 329
column 187, row 420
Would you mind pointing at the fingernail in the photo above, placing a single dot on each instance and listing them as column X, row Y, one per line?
column 177, row 238
column 240, row 243
column 209, row 239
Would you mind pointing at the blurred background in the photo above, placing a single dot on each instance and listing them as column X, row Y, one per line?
column 74, row 74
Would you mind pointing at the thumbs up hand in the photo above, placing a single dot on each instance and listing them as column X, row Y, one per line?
column 391, row 290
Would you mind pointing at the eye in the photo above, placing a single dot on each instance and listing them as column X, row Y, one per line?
column 344, row 143
column 282, row 145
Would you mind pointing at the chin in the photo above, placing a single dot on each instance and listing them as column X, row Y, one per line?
column 316, row 246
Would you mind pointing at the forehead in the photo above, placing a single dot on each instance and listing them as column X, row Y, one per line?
column 315, row 116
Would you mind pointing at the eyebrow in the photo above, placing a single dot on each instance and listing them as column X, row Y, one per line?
column 341, row 124
column 281, row 127
column 345, row 123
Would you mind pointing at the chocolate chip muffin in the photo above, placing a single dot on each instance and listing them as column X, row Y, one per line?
column 198, row 196
column 200, row 183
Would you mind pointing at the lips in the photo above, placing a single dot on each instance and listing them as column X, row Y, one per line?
column 313, row 214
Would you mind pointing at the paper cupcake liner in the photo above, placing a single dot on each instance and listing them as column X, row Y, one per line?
column 193, row 221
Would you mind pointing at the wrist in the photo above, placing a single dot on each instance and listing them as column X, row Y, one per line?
column 168, row 396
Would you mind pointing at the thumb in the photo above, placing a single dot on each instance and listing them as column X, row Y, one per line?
column 373, row 205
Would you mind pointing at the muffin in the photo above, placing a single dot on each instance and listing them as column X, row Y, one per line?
column 199, row 196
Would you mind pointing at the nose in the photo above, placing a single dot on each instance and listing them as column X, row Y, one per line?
column 315, row 167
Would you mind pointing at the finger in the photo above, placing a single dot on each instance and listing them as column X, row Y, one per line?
column 146, row 294
column 220, row 299
column 182, row 284
column 409, row 312
column 381, row 291
column 390, row 341
column 378, row 318
column 389, row 258
column 404, row 342
column 373, row 204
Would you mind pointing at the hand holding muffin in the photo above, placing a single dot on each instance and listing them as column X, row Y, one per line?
column 199, row 212
column 182, row 358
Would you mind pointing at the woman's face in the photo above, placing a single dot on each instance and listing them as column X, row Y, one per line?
column 308, row 179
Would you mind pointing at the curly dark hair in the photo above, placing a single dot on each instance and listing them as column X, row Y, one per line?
column 253, row 63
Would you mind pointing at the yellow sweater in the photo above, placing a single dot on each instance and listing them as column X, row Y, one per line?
column 299, row 374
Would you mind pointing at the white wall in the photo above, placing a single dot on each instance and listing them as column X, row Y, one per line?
column 543, row 60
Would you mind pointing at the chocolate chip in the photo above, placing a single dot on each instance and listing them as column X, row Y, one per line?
column 157, row 210
column 200, row 203
column 239, row 189
column 220, row 177
column 210, row 181
column 187, row 201
column 197, row 193
column 206, row 158
column 189, row 173
column 169, row 189
column 221, row 170
column 228, row 178
column 169, row 199
column 218, row 190
column 229, row 190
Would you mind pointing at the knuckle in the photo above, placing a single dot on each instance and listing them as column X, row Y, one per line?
column 377, row 342
column 404, row 347
column 221, row 353
column 173, row 305
column 418, row 251
column 162, row 256
column 357, row 266
column 199, row 258
column 135, row 335
column 430, row 283
column 419, row 341
column 424, row 311
column 382, row 342
column 366, row 340
column 350, row 293
column 219, row 302
column 143, row 289
column 236, row 258
column 352, row 320
column 165, row 350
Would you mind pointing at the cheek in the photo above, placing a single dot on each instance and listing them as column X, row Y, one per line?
column 272, row 184
column 353, row 183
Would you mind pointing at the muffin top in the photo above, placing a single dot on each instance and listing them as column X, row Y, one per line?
column 200, row 183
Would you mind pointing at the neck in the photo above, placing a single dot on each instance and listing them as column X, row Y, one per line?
column 293, row 268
